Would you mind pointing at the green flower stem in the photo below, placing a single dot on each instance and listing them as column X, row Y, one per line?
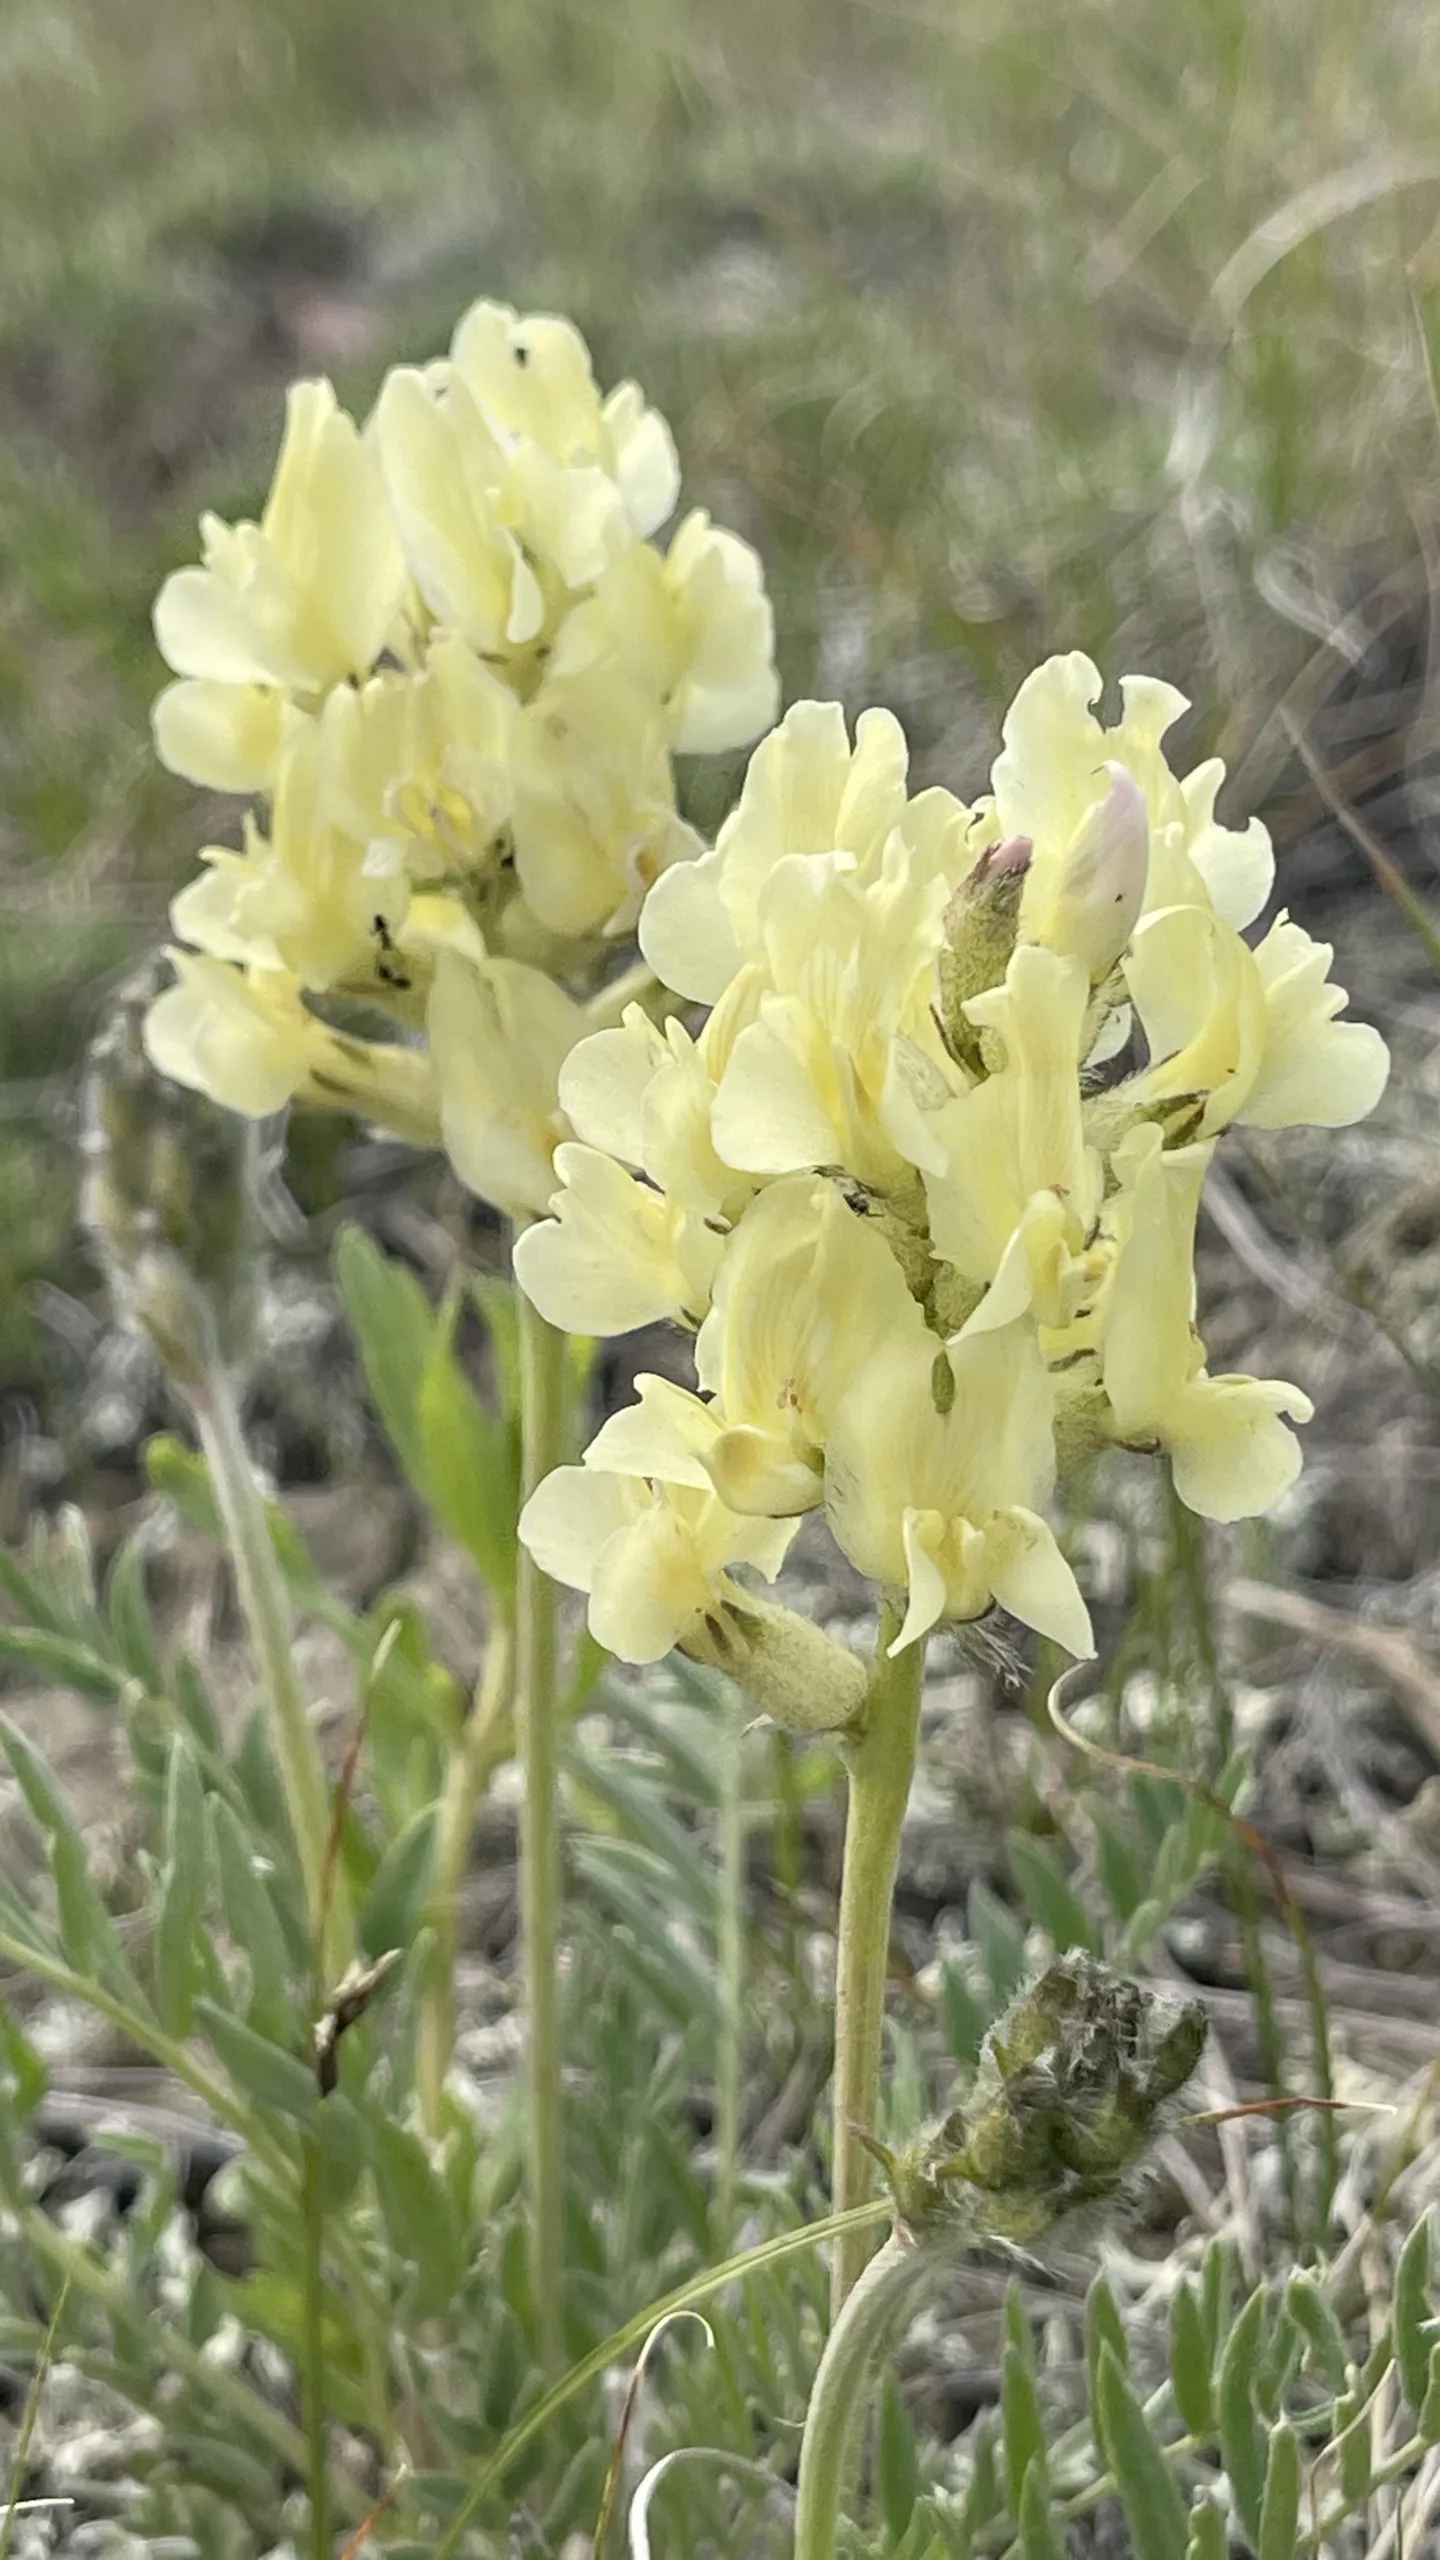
column 481, row 1747
column 839, row 2400
column 881, row 1766
column 266, row 1607
column 543, row 1380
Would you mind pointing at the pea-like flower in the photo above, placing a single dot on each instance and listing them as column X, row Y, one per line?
column 456, row 666
column 923, row 1182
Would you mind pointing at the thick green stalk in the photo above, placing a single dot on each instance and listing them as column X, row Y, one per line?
column 881, row 1766
column 839, row 2401
column 542, row 1431
column 266, row 1608
column 469, row 1773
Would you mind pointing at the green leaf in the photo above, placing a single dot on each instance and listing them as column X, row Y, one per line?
column 1048, row 1895
column 1280, row 2507
column 392, row 1907
column 1428, row 2421
column 1208, row 2537
column 470, row 1464
column 1325, row 2347
column 418, row 2211
column 963, row 2016
column 182, row 1892
column 1350, row 2440
column 87, row 1933
column 897, row 2464
column 1190, row 2361
column 195, row 1706
column 132, row 1625
column 394, row 1324
column 1242, row 2442
column 25, row 1596
column 983, row 2492
column 1103, row 2328
column 1115, row 1863
column 1412, row 2313
column 1038, row 2538
column 1001, row 1941
column 1020, row 2411
column 24, row 2070
column 1153, row 2505
column 62, row 1660
column 251, row 1920
column 258, row 2068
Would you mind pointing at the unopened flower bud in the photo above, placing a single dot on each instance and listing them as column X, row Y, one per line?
column 981, row 924
column 169, row 1196
column 1101, row 887
column 1070, row 2087
column 790, row 1671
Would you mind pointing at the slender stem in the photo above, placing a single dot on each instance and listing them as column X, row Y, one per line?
column 312, row 2376
column 542, row 1429
column 835, row 2419
column 881, row 1766
column 266, row 1606
column 732, row 1976
column 470, row 1770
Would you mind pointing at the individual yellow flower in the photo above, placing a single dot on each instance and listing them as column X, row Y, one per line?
column 937, row 1496
column 444, row 479
column 1012, row 1209
column 1226, row 1438
column 616, row 1253
column 246, row 1038
column 807, row 791
column 640, row 1530
column 1250, row 1036
column 595, row 821
column 292, row 605
column 531, row 379
column 695, row 627
column 808, row 1292
column 1059, row 765
column 498, row 1035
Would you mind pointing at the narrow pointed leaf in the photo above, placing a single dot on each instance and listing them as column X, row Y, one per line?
column 182, row 1893
column 1190, row 2362
column 1154, row 2509
column 1280, row 2506
column 258, row 2068
column 1242, row 2441
column 1039, row 2537
column 1413, row 2333
column 1023, row 2422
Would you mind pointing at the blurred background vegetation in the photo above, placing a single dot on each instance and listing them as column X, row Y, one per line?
column 999, row 327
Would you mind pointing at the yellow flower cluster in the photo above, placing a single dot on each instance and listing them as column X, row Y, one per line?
column 456, row 666
column 933, row 1232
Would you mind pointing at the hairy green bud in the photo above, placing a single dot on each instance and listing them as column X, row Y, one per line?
column 791, row 1671
column 981, row 923
column 1070, row 2088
